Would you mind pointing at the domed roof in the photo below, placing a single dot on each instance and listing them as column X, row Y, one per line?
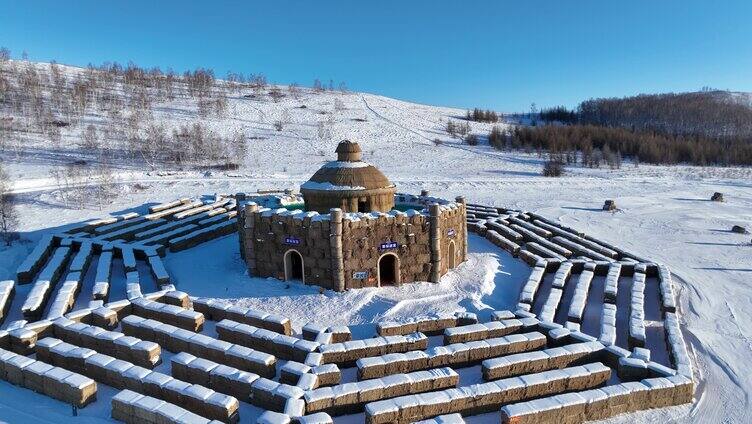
column 348, row 172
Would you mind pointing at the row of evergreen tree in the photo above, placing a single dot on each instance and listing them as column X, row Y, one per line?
column 480, row 115
column 642, row 146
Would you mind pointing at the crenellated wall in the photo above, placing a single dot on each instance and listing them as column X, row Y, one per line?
column 343, row 250
column 269, row 235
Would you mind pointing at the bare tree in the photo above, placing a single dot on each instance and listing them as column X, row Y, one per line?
column 8, row 213
column 339, row 105
column 4, row 54
column 105, row 182
column 294, row 90
column 323, row 131
column 90, row 138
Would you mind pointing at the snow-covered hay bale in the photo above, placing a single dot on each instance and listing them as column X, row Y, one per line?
column 52, row 381
column 285, row 347
column 351, row 351
column 36, row 259
column 180, row 340
column 180, row 317
column 201, row 235
column 426, row 324
column 486, row 397
column 612, row 283
column 637, row 331
column 221, row 378
column 350, row 398
column 579, row 298
column 217, row 310
column 542, row 360
column 530, row 289
column 482, row 331
column 7, row 290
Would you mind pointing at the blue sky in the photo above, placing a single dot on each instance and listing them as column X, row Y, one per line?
column 492, row 54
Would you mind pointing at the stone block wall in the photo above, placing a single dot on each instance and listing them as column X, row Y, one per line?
column 362, row 241
column 269, row 235
column 342, row 251
column 453, row 230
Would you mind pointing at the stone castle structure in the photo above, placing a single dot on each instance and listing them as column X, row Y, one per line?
column 350, row 235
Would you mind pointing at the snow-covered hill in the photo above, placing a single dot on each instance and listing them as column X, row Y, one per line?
column 664, row 214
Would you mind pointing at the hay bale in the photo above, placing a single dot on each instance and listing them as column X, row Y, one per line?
column 738, row 229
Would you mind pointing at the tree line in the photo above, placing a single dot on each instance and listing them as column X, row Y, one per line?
column 711, row 113
column 591, row 144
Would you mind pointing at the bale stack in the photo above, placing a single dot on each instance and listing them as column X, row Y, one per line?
column 475, row 332
column 221, row 378
column 134, row 408
column 279, row 345
column 124, row 375
column 530, row 289
column 140, row 352
column 7, row 290
column 579, row 298
column 457, row 354
column 273, row 396
column 502, row 242
column 201, row 235
column 36, row 259
column 101, row 288
column 668, row 302
column 542, row 360
column 180, row 317
column 271, row 417
column 339, row 333
column 179, row 340
column 36, row 300
column 351, row 351
column 637, row 332
column 600, row 404
column 608, row 324
column 49, row 380
column 217, row 310
column 485, row 397
column 429, row 325
column 158, row 271
column 350, row 398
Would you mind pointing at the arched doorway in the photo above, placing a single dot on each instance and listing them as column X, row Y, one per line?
column 452, row 255
column 294, row 266
column 388, row 271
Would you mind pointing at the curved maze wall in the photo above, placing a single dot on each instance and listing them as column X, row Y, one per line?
column 595, row 333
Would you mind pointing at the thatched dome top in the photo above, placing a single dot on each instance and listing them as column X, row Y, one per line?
column 348, row 151
column 348, row 173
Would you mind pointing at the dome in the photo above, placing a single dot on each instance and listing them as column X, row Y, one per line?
column 348, row 183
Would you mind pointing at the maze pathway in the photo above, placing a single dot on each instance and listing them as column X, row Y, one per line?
column 595, row 333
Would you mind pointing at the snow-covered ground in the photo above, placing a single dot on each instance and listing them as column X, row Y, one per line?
column 665, row 215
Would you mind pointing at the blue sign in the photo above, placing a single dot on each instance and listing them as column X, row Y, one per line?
column 451, row 232
column 388, row 245
column 360, row 275
column 292, row 240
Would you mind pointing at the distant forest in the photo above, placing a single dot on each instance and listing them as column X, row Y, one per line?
column 700, row 128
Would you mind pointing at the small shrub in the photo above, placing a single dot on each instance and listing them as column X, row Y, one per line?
column 553, row 168
column 437, row 141
column 471, row 139
column 278, row 125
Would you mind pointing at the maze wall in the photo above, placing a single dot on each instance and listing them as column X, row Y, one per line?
column 595, row 334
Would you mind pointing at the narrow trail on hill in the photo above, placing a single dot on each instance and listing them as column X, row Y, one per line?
column 384, row 118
